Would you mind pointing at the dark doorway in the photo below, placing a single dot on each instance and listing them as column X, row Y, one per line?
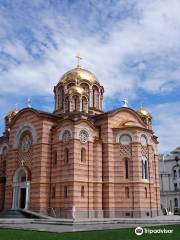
column 23, row 198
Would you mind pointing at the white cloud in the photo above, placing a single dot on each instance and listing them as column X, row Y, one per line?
column 166, row 126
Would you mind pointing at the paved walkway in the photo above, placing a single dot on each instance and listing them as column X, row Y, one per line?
column 56, row 226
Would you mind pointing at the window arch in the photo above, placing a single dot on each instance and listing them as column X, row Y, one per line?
column 144, row 168
column 27, row 127
column 26, row 141
column 143, row 140
column 83, row 155
column 125, row 139
column 82, row 191
column 85, row 86
column 66, row 155
column 126, row 162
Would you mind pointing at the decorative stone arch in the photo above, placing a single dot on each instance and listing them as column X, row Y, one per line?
column 21, row 188
column 175, row 167
column 146, row 136
column 122, row 133
column 2, row 148
column 25, row 127
column 62, row 132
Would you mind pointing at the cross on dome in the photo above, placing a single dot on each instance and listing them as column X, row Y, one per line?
column 79, row 58
column 125, row 101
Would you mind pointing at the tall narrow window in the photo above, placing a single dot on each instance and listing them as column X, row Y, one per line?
column 126, row 168
column 179, row 172
column 174, row 174
column 65, row 192
column 145, row 192
column 175, row 202
column 127, row 192
column 54, row 158
column 82, row 191
column 144, row 168
column 83, row 155
column 66, row 155
column 53, row 192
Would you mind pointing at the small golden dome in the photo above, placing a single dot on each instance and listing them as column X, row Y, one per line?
column 79, row 74
column 12, row 114
column 76, row 90
column 144, row 113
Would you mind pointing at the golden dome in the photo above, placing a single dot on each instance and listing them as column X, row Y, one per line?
column 79, row 74
column 144, row 113
column 76, row 90
column 12, row 114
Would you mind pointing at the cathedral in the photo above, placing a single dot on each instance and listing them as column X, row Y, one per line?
column 80, row 162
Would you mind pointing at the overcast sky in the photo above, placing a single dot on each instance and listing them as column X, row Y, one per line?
column 132, row 46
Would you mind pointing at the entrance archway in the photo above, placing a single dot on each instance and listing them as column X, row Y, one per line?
column 21, row 189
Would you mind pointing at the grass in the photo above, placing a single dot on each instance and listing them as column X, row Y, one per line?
column 124, row 234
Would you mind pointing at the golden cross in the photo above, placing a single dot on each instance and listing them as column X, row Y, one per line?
column 78, row 60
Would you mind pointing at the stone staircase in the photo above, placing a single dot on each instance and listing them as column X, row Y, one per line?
column 13, row 214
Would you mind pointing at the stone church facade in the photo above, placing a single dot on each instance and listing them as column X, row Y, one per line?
column 80, row 162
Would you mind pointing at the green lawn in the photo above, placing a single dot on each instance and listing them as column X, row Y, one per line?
column 124, row 234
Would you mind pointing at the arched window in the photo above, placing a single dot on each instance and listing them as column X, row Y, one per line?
column 175, row 202
column 83, row 155
column 26, row 142
column 145, row 192
column 67, row 105
column 143, row 140
column 84, row 104
column 76, row 103
column 82, row 191
column 54, row 158
column 70, row 85
column 95, row 97
column 66, row 155
column 65, row 192
column 125, row 139
column 127, row 192
column 60, row 97
column 144, row 168
column 126, row 167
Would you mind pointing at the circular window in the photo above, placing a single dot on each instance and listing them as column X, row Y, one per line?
column 143, row 140
column 66, row 136
column 125, row 139
column 84, row 136
column 26, row 143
